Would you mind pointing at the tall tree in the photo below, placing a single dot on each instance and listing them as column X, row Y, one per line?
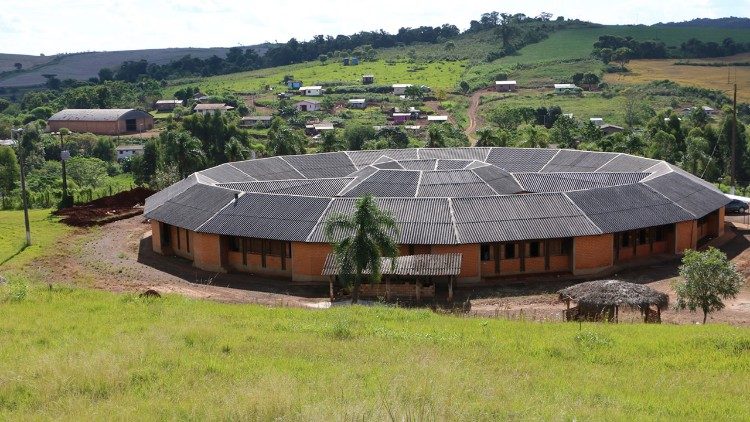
column 359, row 242
column 9, row 170
column 331, row 142
column 709, row 278
column 183, row 150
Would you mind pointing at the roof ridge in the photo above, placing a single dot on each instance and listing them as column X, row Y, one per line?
column 669, row 200
column 550, row 160
column 453, row 220
column 315, row 226
column 565, row 194
column 608, row 161
column 292, row 166
column 239, row 195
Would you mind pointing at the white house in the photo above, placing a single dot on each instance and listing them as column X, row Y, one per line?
column 307, row 105
column 127, row 151
column 437, row 119
column 212, row 108
column 358, row 103
column 400, row 89
column 597, row 121
column 505, row 86
column 566, row 88
column 311, row 91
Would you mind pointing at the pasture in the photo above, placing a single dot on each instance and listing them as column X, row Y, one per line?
column 45, row 230
column 437, row 75
column 96, row 355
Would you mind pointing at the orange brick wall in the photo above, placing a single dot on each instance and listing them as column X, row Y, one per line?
column 593, row 252
column 470, row 261
column 206, row 252
column 156, row 237
column 722, row 216
column 183, row 243
column 307, row 261
column 686, row 235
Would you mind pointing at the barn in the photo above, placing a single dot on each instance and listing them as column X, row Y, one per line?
column 114, row 121
column 509, row 213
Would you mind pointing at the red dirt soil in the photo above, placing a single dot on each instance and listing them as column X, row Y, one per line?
column 109, row 208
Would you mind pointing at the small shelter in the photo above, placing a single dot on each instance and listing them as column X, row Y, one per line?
column 424, row 270
column 212, row 108
column 126, row 151
column 368, row 79
column 250, row 121
column 311, row 91
column 597, row 121
column 567, row 89
column 400, row 89
column 506, row 86
column 167, row 105
column 401, row 117
column 437, row 119
column 358, row 103
column 610, row 129
column 294, row 84
column 601, row 300
column 307, row 105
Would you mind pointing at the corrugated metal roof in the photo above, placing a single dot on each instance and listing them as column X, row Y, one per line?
column 627, row 163
column 520, row 159
column 408, row 265
column 627, row 207
column 694, row 197
column 225, row 173
column 499, row 180
column 273, row 168
column 446, row 164
column 392, row 165
column 159, row 198
column 365, row 158
column 315, row 166
column 467, row 153
column 96, row 114
column 192, row 207
column 419, row 164
column 452, row 184
column 388, row 183
column 563, row 182
column 577, row 161
column 307, row 187
column 266, row 216
column 519, row 217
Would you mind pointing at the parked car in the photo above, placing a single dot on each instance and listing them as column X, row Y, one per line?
column 737, row 206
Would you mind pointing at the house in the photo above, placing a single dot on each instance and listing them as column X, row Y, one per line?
column 567, row 89
column 400, row 89
column 400, row 117
column 294, row 84
column 307, row 105
column 597, row 121
column 368, row 79
column 113, row 121
column 354, row 61
column 167, row 105
column 358, row 103
column 253, row 121
column 708, row 110
column 311, row 91
column 211, row 108
column 505, row 86
column 437, row 119
column 610, row 129
column 318, row 127
column 126, row 151
column 201, row 97
column 345, row 61
column 7, row 142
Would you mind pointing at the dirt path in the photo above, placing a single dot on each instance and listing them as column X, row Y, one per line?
column 472, row 113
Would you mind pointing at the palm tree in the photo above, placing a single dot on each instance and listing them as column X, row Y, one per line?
column 184, row 149
column 235, row 150
column 360, row 240
column 285, row 141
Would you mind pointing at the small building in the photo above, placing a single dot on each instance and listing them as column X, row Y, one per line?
column 415, row 113
column 610, row 129
column 126, row 151
column 345, row 61
column 294, row 84
column 354, row 61
column 400, row 117
column 167, row 105
column 400, row 89
column 211, row 108
column 567, row 89
column 506, row 86
column 360, row 103
column 318, row 128
column 256, row 121
column 597, row 121
column 368, row 79
column 7, row 142
column 568, row 115
column 307, row 105
column 311, row 91
column 437, row 119
column 113, row 121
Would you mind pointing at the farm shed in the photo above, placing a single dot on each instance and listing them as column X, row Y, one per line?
column 509, row 212
column 368, row 79
column 113, row 121
column 127, row 151
column 601, row 300
column 311, row 91
column 167, row 105
column 506, row 86
column 250, row 121
column 437, row 119
column 610, row 129
column 567, row 89
column 358, row 103
column 211, row 108
column 307, row 105
column 400, row 117
column 597, row 121
column 294, row 84
column 400, row 89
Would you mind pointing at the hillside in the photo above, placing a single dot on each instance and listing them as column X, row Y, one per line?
column 82, row 66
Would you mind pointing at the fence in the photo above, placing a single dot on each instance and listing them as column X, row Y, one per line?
column 51, row 197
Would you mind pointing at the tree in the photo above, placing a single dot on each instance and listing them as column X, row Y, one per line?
column 360, row 240
column 564, row 133
column 699, row 117
column 488, row 137
column 106, row 74
column 622, row 55
column 696, row 153
column 87, row 171
column 357, row 134
column 590, row 79
column 605, row 54
column 182, row 150
column 330, row 142
column 435, row 137
column 104, row 149
column 450, row 46
column 9, row 170
column 708, row 279
column 530, row 136
column 414, row 92
column 235, row 150
column 283, row 140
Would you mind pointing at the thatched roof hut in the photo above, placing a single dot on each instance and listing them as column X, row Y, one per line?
column 601, row 299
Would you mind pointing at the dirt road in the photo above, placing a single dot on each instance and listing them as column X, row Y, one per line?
column 473, row 115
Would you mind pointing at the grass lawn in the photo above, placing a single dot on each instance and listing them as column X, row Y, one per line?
column 44, row 232
column 438, row 75
column 85, row 354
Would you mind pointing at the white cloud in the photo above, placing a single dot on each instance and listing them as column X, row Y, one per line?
column 47, row 26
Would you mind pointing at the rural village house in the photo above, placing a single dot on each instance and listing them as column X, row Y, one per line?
column 101, row 121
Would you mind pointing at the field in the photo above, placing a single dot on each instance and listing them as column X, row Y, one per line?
column 437, row 75
column 711, row 77
column 44, row 232
column 95, row 355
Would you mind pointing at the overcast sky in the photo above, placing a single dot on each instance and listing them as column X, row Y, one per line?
column 54, row 26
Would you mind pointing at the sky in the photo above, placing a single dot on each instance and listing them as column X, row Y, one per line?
column 67, row 26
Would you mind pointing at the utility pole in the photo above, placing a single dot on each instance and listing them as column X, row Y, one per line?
column 734, row 140
column 22, row 158
column 63, row 158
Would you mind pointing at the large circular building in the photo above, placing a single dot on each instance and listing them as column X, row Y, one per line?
column 508, row 212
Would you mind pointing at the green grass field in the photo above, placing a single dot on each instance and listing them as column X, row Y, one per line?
column 44, row 232
column 84, row 354
column 438, row 75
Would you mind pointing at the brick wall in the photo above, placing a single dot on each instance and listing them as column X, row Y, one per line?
column 308, row 260
column 207, row 252
column 686, row 235
column 593, row 253
column 470, row 261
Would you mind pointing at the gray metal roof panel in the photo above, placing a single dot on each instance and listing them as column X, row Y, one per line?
column 265, row 216
column 627, row 163
column 498, row 179
column 159, row 198
column 448, row 164
column 387, row 183
column 577, row 161
column 452, row 184
column 192, row 207
column 562, row 182
column 96, row 114
column 226, row 173
column 367, row 157
column 419, row 164
column 694, row 197
column 273, row 168
column 466, row 153
column 520, row 159
column 306, row 187
column 314, row 166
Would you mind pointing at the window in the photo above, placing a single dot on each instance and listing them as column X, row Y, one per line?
column 555, row 247
column 659, row 234
column 567, row 246
column 178, row 238
column 535, row 249
column 510, row 250
column 234, row 243
column 411, row 249
column 642, row 237
column 485, row 252
column 275, row 247
column 256, row 246
column 625, row 239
